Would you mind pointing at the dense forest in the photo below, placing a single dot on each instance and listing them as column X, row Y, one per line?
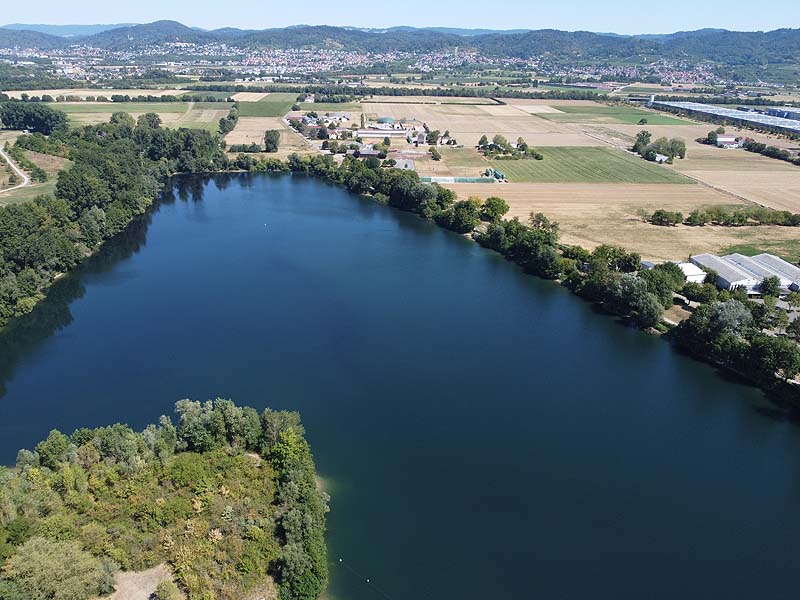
column 227, row 497
column 118, row 169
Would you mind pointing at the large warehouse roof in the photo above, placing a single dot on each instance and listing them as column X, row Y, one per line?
column 747, row 271
column 732, row 113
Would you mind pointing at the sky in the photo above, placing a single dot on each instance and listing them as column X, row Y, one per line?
column 618, row 16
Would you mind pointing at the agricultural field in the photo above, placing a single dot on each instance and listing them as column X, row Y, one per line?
column 591, row 214
column 249, row 96
column 89, row 92
column 600, row 113
column 250, row 130
column 428, row 100
column 196, row 115
column 272, row 105
column 586, row 165
column 467, row 123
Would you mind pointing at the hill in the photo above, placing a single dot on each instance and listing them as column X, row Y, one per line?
column 727, row 48
column 14, row 38
column 65, row 30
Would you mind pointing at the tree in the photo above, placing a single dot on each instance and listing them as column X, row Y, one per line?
column 52, row 450
column 483, row 142
column 677, row 147
column 642, row 141
column 700, row 292
column 731, row 317
column 167, row 590
column 775, row 356
column 435, row 154
column 711, row 138
column 770, row 286
column 272, row 138
column 793, row 330
column 387, row 141
column 43, row 569
column 493, row 209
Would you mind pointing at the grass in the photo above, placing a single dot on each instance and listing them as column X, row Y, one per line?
column 601, row 113
column 786, row 249
column 79, row 108
column 52, row 165
column 323, row 107
column 273, row 105
column 586, row 165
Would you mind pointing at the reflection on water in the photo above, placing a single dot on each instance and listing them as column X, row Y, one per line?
column 23, row 335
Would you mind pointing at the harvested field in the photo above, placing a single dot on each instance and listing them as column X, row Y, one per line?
column 198, row 115
column 467, row 123
column 252, row 129
column 87, row 92
column 427, row 100
column 536, row 109
column 576, row 165
column 594, row 214
column 249, row 96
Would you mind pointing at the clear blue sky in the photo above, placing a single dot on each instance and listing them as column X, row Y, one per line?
column 619, row 16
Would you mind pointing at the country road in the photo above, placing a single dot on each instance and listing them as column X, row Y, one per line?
column 20, row 173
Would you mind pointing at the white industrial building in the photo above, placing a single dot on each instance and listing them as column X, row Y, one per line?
column 739, row 271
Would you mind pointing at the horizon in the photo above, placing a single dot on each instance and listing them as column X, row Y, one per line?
column 622, row 17
column 376, row 29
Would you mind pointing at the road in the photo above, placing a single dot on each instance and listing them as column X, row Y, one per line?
column 20, row 173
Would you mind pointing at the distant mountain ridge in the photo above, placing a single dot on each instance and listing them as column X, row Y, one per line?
column 732, row 48
column 65, row 30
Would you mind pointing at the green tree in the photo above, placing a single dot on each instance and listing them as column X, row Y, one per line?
column 272, row 140
column 770, row 286
column 494, row 208
column 52, row 450
column 51, row 570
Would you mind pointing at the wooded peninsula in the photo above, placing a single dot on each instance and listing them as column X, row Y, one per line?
column 227, row 498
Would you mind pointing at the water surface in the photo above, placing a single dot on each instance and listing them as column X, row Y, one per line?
column 483, row 433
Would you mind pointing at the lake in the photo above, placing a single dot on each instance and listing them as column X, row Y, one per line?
column 483, row 433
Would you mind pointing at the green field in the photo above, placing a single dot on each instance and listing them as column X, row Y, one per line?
column 601, row 113
column 274, row 105
column 586, row 165
column 786, row 249
column 81, row 108
column 323, row 107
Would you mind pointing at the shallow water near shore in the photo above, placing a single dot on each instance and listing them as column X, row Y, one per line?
column 482, row 433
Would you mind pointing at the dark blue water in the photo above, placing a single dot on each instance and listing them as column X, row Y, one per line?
column 483, row 434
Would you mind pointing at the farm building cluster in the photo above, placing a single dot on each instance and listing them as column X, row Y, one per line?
column 747, row 272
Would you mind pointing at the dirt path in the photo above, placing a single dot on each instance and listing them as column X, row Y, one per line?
column 139, row 585
column 20, row 173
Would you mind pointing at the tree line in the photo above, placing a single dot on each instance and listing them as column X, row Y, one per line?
column 227, row 496
column 471, row 92
column 118, row 169
column 723, row 216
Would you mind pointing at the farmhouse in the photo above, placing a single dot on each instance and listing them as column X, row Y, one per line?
column 739, row 271
column 729, row 141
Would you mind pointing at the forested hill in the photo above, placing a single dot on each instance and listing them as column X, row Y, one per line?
column 781, row 46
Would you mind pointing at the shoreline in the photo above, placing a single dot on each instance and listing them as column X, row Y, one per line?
column 784, row 395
